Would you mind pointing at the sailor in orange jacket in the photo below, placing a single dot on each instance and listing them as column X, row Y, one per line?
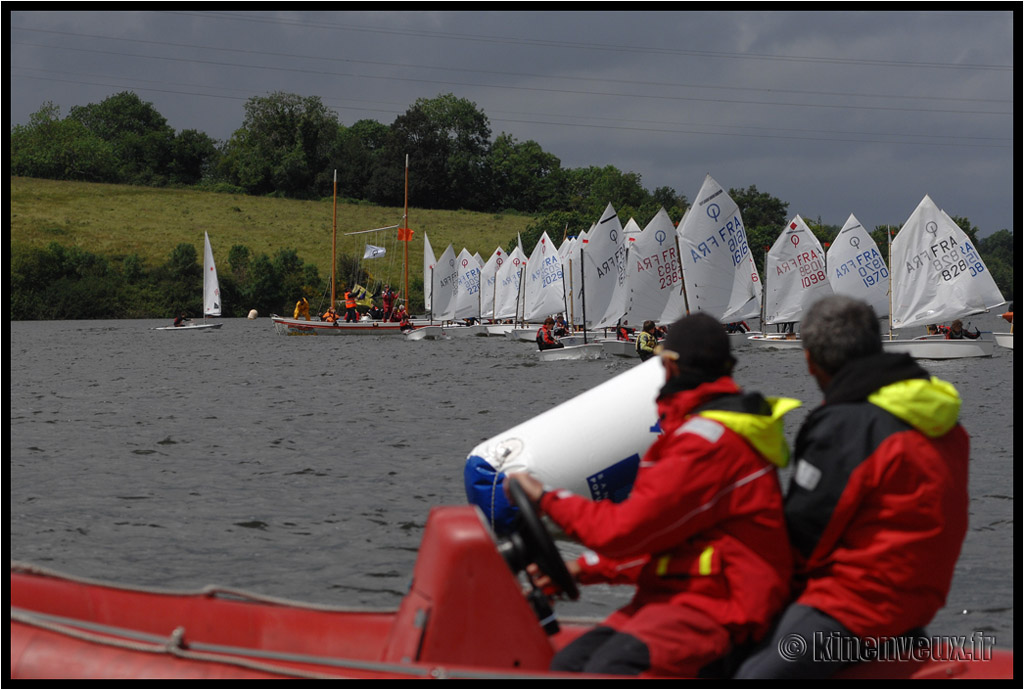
column 702, row 533
column 351, row 313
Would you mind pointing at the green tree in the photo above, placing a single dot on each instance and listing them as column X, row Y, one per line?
column 284, row 146
column 140, row 136
column 193, row 157
column 675, row 204
column 557, row 224
column 64, row 283
column 523, row 176
column 179, row 281
column 56, row 149
column 999, row 252
column 355, row 156
column 764, row 217
column 447, row 141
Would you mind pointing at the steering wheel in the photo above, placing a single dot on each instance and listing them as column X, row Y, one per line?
column 537, row 544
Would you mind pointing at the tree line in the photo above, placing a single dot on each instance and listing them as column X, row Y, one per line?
column 58, row 282
column 289, row 146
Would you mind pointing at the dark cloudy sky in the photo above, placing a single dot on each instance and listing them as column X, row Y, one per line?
column 832, row 112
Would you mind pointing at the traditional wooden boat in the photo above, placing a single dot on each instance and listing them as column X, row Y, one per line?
column 296, row 326
column 465, row 616
column 289, row 326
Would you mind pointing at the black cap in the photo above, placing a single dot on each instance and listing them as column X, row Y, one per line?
column 699, row 343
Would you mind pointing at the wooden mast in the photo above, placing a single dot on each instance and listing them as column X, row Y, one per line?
column 334, row 243
column 405, row 222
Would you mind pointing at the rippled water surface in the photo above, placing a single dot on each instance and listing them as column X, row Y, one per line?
column 305, row 467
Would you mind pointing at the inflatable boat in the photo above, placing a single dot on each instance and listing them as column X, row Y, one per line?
column 469, row 613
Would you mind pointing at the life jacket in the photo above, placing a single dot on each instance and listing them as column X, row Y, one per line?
column 350, row 300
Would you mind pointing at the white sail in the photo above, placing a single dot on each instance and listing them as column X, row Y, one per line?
column 444, row 286
column 604, row 272
column 937, row 274
column 428, row 271
column 509, row 279
column 489, row 282
column 795, row 274
column 652, row 271
column 543, row 287
column 467, row 303
column 716, row 258
column 631, row 229
column 211, row 286
column 856, row 267
column 752, row 307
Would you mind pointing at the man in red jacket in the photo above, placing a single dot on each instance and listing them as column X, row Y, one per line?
column 877, row 506
column 702, row 533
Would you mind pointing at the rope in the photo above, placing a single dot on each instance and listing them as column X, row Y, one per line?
column 175, row 646
column 209, row 591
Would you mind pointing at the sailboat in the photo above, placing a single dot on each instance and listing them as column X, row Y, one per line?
column 211, row 293
column 601, row 277
column 652, row 276
column 795, row 278
column 856, row 267
column 292, row 326
column 937, row 275
column 717, row 269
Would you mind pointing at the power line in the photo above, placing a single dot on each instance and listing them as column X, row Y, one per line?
column 264, row 53
column 603, row 94
column 664, row 128
column 420, row 32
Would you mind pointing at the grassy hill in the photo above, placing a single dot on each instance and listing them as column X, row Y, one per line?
column 116, row 220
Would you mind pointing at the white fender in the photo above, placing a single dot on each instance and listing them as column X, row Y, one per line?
column 590, row 444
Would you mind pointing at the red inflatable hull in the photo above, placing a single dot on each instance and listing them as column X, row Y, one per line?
column 464, row 617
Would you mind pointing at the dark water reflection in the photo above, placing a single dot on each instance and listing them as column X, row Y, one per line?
column 305, row 467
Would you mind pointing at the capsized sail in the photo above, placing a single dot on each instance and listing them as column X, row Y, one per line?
column 937, row 273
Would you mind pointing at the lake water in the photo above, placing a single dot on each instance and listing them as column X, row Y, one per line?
column 305, row 467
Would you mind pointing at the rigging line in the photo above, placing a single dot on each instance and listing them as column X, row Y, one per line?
column 945, row 140
column 603, row 46
column 605, row 80
column 363, row 232
column 529, row 88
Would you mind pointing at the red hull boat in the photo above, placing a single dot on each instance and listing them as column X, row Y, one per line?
column 465, row 616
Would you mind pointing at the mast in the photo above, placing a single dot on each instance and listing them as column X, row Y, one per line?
column 682, row 276
column 583, row 294
column 405, row 222
column 888, row 240
column 334, row 242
